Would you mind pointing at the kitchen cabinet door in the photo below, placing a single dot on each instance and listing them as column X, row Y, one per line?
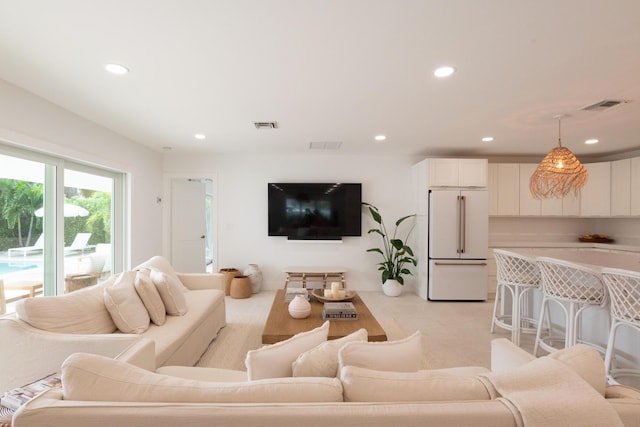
column 595, row 197
column 508, row 189
column 458, row 173
column 621, row 187
column 443, row 172
column 528, row 204
column 473, row 173
column 635, row 186
column 493, row 188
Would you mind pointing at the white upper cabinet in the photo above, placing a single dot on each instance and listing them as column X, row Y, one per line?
column 528, row 204
column 621, row 187
column 504, row 189
column 595, row 197
column 457, row 172
column 473, row 172
column 635, row 186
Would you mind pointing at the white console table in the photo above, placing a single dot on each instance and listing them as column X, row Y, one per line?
column 324, row 274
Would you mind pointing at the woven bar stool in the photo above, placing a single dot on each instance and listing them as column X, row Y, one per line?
column 573, row 287
column 623, row 287
column 519, row 275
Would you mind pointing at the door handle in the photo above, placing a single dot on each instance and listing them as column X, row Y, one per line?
column 460, row 263
column 463, row 223
column 202, row 237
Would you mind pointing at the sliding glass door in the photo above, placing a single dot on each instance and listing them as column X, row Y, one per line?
column 61, row 225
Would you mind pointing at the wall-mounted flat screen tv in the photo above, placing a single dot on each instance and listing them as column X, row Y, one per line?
column 315, row 211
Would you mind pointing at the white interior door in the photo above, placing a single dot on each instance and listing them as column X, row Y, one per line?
column 188, row 225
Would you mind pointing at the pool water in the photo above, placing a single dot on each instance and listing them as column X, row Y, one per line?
column 12, row 267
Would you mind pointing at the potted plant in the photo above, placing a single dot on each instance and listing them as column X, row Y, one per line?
column 395, row 252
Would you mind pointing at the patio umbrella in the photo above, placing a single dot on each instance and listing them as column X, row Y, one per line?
column 69, row 211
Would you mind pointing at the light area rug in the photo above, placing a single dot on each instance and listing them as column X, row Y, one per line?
column 245, row 321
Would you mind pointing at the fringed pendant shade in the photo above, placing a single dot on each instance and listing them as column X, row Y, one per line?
column 557, row 174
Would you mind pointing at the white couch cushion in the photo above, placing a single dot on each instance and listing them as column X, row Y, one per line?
column 322, row 360
column 79, row 312
column 586, row 362
column 161, row 263
column 368, row 385
column 274, row 361
column 125, row 306
column 150, row 297
column 171, row 291
column 403, row 355
column 175, row 334
column 90, row 377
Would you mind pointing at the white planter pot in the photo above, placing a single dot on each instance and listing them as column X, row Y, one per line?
column 255, row 275
column 392, row 288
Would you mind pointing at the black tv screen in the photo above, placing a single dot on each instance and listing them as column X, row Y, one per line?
column 315, row 211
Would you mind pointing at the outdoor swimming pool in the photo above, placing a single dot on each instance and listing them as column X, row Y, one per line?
column 7, row 267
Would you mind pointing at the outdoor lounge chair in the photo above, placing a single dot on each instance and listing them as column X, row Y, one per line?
column 37, row 247
column 79, row 244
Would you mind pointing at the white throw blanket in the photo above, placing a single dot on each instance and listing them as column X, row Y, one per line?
column 545, row 393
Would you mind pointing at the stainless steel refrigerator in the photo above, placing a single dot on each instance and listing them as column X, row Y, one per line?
column 458, row 225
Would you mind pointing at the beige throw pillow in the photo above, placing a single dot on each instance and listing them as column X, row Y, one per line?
column 403, row 355
column 322, row 360
column 90, row 377
column 367, row 385
column 125, row 306
column 171, row 292
column 79, row 312
column 150, row 297
column 274, row 361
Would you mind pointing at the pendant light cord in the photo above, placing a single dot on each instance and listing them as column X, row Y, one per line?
column 559, row 139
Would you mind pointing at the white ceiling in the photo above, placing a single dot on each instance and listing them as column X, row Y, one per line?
column 337, row 71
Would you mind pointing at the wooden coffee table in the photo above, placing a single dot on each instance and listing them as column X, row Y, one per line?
column 281, row 326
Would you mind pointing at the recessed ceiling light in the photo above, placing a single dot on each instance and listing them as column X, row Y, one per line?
column 116, row 69
column 380, row 137
column 591, row 141
column 487, row 139
column 200, row 136
column 445, row 71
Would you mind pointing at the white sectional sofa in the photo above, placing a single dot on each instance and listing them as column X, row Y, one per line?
column 568, row 388
column 46, row 330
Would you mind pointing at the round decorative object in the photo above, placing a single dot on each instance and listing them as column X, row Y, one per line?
column 299, row 307
column 319, row 295
column 229, row 273
column 392, row 288
column 240, row 287
column 255, row 275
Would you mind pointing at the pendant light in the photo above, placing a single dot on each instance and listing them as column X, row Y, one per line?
column 558, row 173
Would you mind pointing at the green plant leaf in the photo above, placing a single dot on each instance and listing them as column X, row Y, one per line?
column 398, row 222
column 397, row 243
column 375, row 250
column 376, row 215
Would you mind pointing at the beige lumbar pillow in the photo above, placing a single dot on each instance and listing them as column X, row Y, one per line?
column 150, row 297
column 274, row 361
column 125, row 306
column 322, row 360
column 171, row 291
column 368, row 385
column 90, row 377
column 403, row 355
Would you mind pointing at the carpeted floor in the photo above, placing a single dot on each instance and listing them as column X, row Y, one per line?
column 453, row 333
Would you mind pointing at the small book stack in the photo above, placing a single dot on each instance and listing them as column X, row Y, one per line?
column 291, row 293
column 339, row 311
column 13, row 399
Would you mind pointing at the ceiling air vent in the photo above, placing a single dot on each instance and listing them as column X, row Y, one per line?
column 266, row 125
column 325, row 145
column 604, row 105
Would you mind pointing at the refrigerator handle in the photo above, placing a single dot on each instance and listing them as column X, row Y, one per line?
column 463, row 222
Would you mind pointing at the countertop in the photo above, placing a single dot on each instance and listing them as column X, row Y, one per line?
column 563, row 244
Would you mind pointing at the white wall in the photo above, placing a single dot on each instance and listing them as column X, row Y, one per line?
column 31, row 122
column 242, row 209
